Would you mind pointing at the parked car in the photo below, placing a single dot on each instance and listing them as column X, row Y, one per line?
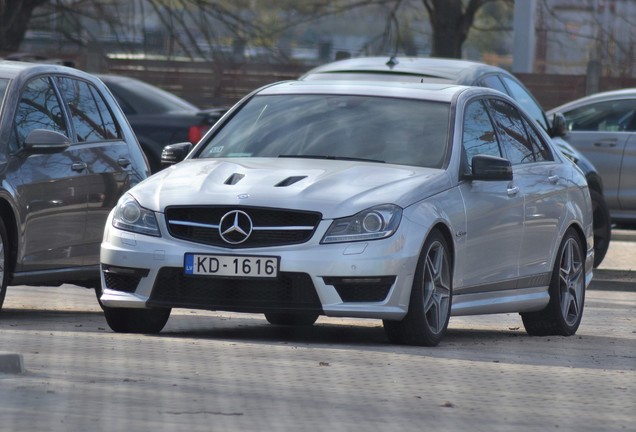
column 420, row 69
column 159, row 117
column 67, row 155
column 404, row 202
column 603, row 127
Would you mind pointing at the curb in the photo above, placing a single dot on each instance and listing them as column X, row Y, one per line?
column 11, row 363
column 614, row 280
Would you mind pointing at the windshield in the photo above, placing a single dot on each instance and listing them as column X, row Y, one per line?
column 389, row 130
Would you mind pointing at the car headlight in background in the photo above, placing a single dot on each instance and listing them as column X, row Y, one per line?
column 130, row 216
column 371, row 224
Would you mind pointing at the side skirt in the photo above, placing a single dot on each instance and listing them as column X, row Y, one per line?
column 508, row 301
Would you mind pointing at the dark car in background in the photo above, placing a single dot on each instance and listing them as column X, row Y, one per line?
column 464, row 72
column 158, row 117
column 67, row 153
column 602, row 126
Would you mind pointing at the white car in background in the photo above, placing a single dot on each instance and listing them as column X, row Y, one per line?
column 402, row 202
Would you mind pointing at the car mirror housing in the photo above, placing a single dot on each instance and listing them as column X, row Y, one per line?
column 490, row 168
column 46, row 141
column 175, row 153
column 559, row 126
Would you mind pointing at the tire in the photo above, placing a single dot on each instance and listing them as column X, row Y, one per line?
column 291, row 318
column 602, row 226
column 429, row 310
column 562, row 316
column 145, row 321
column 4, row 262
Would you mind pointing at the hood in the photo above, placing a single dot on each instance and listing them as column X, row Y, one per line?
column 333, row 188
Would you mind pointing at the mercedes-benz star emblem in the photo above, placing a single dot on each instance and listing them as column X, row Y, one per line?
column 235, row 227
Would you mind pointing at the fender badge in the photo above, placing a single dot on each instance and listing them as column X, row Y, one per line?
column 243, row 196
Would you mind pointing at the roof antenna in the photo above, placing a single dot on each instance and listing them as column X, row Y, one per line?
column 392, row 62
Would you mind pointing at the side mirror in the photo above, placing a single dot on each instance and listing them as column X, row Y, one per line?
column 175, row 153
column 559, row 126
column 490, row 168
column 46, row 141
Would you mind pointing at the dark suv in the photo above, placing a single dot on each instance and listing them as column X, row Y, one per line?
column 67, row 153
column 464, row 72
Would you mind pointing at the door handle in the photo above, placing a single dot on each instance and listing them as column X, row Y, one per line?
column 123, row 162
column 554, row 179
column 513, row 190
column 78, row 166
column 609, row 142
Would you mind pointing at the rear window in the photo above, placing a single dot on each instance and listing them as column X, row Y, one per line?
column 390, row 130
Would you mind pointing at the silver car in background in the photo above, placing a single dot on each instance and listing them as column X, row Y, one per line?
column 401, row 202
column 603, row 127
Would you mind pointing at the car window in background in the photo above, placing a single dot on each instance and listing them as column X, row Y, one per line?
column 494, row 82
column 526, row 100
column 39, row 108
column 479, row 133
column 145, row 98
column 400, row 131
column 608, row 116
column 90, row 117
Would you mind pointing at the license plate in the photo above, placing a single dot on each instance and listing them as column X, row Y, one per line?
column 231, row 265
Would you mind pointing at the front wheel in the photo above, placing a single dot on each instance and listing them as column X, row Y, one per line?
column 145, row 321
column 431, row 296
column 562, row 316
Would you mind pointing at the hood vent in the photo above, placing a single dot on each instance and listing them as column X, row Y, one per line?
column 234, row 179
column 290, row 181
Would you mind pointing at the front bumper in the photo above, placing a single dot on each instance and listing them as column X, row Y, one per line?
column 364, row 280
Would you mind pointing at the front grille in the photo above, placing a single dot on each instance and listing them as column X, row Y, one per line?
column 270, row 227
column 288, row 292
column 361, row 289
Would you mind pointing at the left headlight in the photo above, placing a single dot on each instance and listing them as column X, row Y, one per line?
column 371, row 224
column 130, row 216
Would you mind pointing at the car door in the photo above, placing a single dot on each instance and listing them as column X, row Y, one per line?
column 602, row 131
column 52, row 197
column 542, row 184
column 104, row 153
column 494, row 211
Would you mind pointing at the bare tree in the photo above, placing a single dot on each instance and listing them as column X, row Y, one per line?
column 14, row 21
column 451, row 21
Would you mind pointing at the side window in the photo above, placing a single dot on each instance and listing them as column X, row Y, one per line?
column 610, row 116
column 479, row 134
column 90, row 116
column 539, row 147
column 525, row 99
column 38, row 108
column 493, row 82
column 515, row 141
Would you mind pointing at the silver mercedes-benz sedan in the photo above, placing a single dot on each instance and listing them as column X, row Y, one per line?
column 402, row 202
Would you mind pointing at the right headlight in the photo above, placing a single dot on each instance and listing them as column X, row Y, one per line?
column 371, row 224
column 130, row 216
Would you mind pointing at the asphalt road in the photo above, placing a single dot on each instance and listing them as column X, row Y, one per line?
column 234, row 372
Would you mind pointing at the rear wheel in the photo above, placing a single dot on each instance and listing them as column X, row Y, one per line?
column 562, row 316
column 146, row 321
column 4, row 261
column 431, row 296
column 291, row 318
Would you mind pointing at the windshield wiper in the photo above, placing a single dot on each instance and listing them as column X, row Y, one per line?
column 344, row 158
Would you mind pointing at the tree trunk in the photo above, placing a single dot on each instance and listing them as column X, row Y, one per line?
column 451, row 24
column 14, row 22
